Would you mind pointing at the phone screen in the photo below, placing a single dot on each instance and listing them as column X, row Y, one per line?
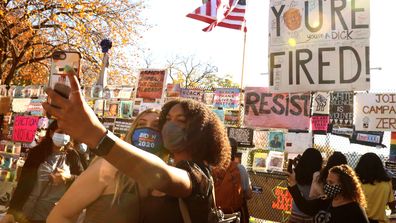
column 58, row 62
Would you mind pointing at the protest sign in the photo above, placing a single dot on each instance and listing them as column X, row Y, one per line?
column 195, row 94
column 321, row 103
column 375, row 112
column 297, row 143
column 368, row 138
column 243, row 136
column 25, row 128
column 319, row 124
column 341, row 108
column 275, row 110
column 151, row 84
column 226, row 98
column 319, row 45
column 231, row 118
column 122, row 125
column 20, row 104
column 35, row 107
column 173, row 90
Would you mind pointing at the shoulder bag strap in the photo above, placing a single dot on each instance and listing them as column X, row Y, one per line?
column 184, row 211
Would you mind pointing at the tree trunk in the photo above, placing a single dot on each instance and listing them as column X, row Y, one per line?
column 11, row 74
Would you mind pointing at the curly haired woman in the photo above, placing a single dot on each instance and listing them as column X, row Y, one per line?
column 345, row 201
column 191, row 133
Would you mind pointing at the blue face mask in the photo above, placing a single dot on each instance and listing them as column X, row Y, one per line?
column 147, row 139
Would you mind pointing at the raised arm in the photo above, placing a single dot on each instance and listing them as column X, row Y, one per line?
column 78, row 120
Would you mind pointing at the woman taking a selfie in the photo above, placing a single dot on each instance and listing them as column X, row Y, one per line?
column 191, row 133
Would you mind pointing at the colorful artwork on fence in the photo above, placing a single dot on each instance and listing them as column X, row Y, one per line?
column 276, row 141
column 314, row 45
column 264, row 109
column 341, row 108
column 231, row 118
column 25, row 128
column 375, row 112
column 151, row 84
column 226, row 98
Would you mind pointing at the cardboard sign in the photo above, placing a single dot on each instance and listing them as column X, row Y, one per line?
column 226, row 98
column 319, row 45
column 195, row 94
column 25, row 128
column 341, row 108
column 243, row 136
column 375, row 112
column 264, row 109
column 151, row 84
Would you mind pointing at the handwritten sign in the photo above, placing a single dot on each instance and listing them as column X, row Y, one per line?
column 283, row 199
column 122, row 125
column 151, row 84
column 243, row 136
column 341, row 108
column 319, row 124
column 20, row 104
column 264, row 109
column 319, row 45
column 375, row 112
column 25, row 128
column 226, row 98
column 195, row 94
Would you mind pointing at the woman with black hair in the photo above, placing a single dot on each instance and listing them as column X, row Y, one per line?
column 319, row 178
column 309, row 163
column 49, row 169
column 377, row 187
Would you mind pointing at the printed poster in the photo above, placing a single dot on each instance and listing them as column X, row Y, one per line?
column 341, row 108
column 276, row 141
column 151, row 84
column 321, row 103
column 314, row 46
column 259, row 162
column 264, row 109
column 226, row 98
column 375, row 112
column 243, row 136
column 275, row 161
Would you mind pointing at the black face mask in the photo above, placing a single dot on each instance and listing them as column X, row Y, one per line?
column 332, row 190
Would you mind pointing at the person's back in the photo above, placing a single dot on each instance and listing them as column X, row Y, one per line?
column 377, row 196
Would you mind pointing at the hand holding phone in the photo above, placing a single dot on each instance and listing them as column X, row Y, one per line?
column 61, row 60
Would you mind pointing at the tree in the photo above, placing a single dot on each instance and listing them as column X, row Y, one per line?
column 31, row 30
column 191, row 72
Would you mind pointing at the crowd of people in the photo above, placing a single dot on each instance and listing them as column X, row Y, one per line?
column 169, row 168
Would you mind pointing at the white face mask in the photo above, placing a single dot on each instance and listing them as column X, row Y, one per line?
column 60, row 139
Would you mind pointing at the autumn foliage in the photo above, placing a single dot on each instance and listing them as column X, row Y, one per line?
column 31, row 30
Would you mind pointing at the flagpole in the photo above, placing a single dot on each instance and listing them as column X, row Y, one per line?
column 241, row 110
column 243, row 58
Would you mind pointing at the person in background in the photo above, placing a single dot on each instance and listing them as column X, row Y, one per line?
column 191, row 132
column 309, row 163
column 377, row 186
column 319, row 178
column 107, row 194
column 344, row 202
column 49, row 169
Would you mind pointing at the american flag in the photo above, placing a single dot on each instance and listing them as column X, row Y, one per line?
column 225, row 13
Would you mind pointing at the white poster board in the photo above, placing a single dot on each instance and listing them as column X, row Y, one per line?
column 375, row 112
column 316, row 46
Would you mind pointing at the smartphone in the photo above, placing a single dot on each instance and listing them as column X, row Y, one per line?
column 62, row 90
column 59, row 60
column 290, row 166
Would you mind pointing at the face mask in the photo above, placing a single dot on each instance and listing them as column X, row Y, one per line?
column 332, row 190
column 147, row 139
column 60, row 139
column 82, row 148
column 174, row 136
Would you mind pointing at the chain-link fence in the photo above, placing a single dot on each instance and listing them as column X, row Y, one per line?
column 270, row 200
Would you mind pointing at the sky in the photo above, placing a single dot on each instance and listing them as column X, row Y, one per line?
column 175, row 34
